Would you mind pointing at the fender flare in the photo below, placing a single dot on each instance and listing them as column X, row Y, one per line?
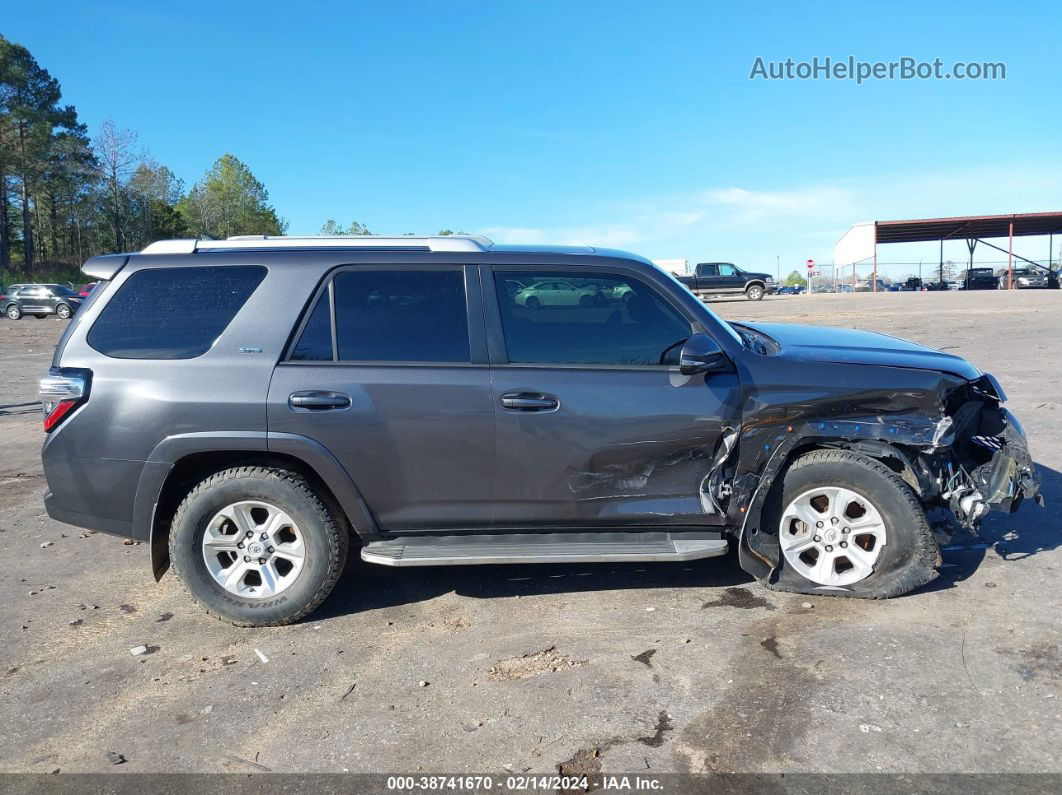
column 758, row 552
column 311, row 453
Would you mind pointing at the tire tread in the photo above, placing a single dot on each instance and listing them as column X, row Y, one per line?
column 337, row 535
column 921, row 570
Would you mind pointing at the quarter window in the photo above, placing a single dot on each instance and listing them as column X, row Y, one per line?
column 596, row 320
column 173, row 313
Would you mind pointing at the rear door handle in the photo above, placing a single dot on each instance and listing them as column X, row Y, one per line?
column 529, row 401
column 315, row 400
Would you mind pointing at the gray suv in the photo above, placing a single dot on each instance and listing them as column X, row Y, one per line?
column 39, row 300
column 397, row 394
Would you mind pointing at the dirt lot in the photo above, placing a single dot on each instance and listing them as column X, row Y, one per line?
column 665, row 667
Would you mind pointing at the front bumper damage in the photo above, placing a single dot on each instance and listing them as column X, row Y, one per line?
column 968, row 460
column 989, row 473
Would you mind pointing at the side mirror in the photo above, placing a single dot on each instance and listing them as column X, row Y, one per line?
column 701, row 354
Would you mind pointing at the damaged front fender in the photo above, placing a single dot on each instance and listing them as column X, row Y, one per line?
column 949, row 438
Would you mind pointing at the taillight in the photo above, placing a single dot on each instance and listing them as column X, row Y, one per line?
column 62, row 391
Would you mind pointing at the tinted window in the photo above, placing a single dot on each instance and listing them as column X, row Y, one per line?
column 172, row 313
column 401, row 316
column 315, row 343
column 609, row 320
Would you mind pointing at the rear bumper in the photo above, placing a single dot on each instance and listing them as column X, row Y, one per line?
column 102, row 524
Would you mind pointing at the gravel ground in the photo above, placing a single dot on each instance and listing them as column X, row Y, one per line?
column 635, row 668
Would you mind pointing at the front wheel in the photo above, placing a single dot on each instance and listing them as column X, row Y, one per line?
column 63, row 310
column 754, row 292
column 14, row 312
column 257, row 546
column 849, row 526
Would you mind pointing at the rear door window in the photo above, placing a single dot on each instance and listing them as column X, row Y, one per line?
column 173, row 313
column 395, row 315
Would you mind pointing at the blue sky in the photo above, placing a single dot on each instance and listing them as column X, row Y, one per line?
column 630, row 124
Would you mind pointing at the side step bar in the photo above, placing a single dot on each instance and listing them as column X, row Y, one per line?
column 573, row 547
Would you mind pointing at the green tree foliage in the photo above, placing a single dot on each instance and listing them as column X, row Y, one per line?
column 65, row 197
column 332, row 229
column 228, row 201
column 795, row 279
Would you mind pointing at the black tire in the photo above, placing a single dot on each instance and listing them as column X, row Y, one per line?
column 533, row 303
column 325, row 537
column 586, row 301
column 755, row 292
column 63, row 311
column 14, row 312
column 910, row 556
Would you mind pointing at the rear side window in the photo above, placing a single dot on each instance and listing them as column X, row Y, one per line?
column 172, row 313
column 400, row 316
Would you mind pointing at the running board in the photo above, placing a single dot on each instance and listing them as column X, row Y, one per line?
column 542, row 548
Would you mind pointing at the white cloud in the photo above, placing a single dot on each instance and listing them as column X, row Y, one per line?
column 752, row 226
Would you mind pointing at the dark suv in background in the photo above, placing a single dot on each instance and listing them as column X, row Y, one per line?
column 978, row 279
column 404, row 395
column 39, row 300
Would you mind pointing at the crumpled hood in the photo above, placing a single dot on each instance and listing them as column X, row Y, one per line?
column 850, row 346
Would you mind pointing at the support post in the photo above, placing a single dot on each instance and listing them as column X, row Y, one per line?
column 874, row 284
column 1010, row 259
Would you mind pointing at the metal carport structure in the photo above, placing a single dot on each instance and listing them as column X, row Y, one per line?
column 864, row 238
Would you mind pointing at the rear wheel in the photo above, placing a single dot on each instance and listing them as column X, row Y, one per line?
column 14, row 312
column 586, row 301
column 533, row 303
column 848, row 525
column 257, row 546
column 754, row 292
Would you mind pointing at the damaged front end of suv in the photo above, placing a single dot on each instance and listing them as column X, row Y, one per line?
column 948, row 436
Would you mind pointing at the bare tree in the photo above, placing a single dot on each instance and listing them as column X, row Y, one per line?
column 114, row 147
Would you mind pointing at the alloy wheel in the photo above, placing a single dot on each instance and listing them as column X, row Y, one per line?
column 832, row 536
column 253, row 549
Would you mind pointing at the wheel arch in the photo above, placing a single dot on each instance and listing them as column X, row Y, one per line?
column 164, row 483
column 760, row 557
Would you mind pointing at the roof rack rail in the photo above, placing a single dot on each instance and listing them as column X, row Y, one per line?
column 406, row 242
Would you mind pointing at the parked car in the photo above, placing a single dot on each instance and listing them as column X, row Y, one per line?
column 913, row 284
column 791, row 289
column 558, row 293
column 711, row 279
column 40, row 300
column 1023, row 279
column 417, row 408
column 86, row 289
column 867, row 285
column 978, row 279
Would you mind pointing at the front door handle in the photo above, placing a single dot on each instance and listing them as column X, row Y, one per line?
column 529, row 401
column 315, row 400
